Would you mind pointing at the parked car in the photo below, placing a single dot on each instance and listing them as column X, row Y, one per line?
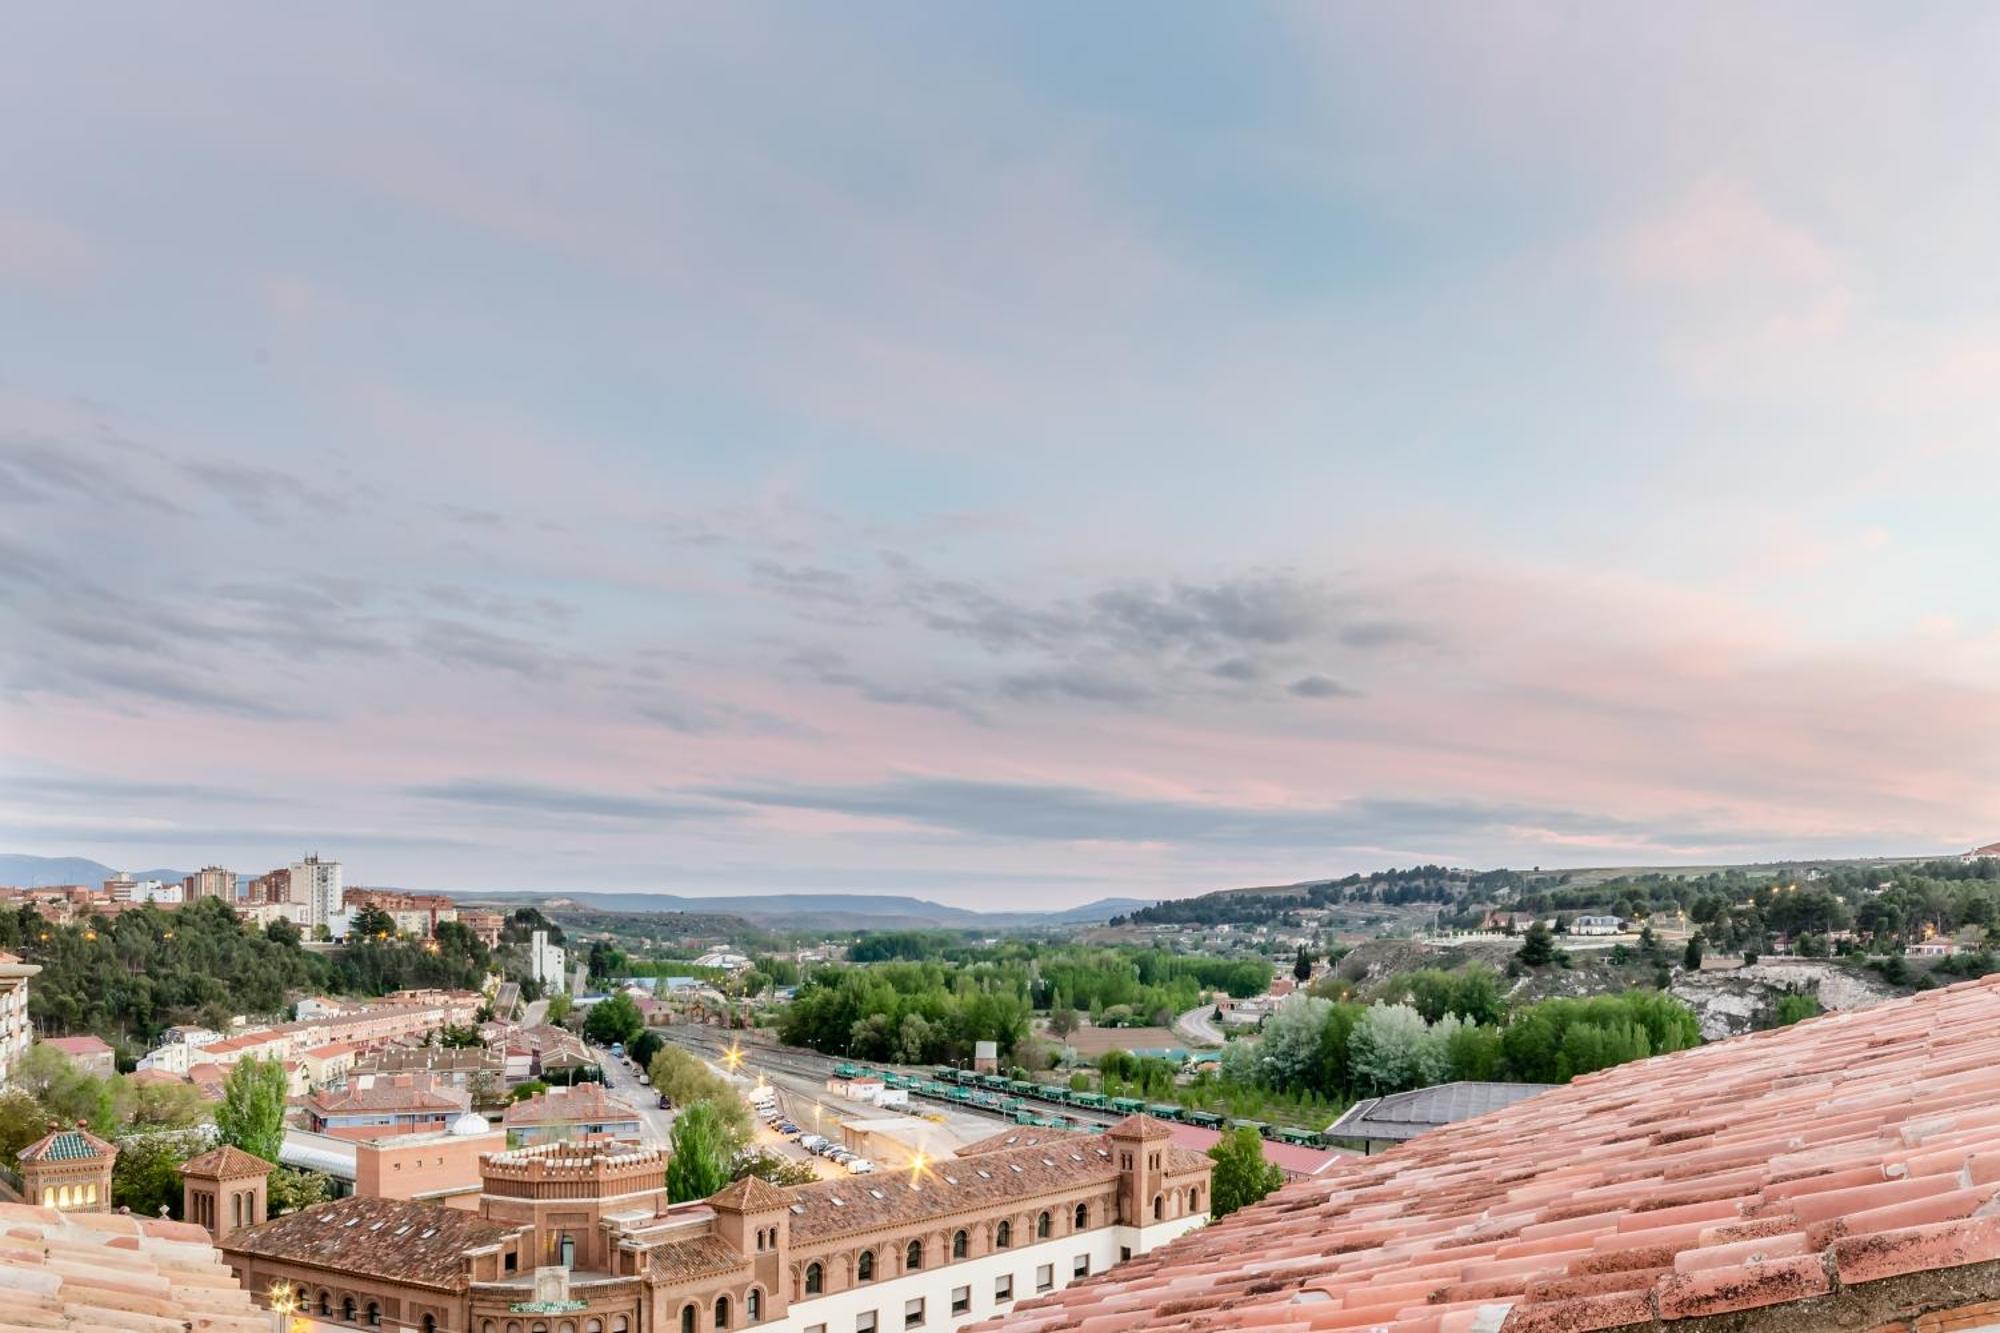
column 860, row 1166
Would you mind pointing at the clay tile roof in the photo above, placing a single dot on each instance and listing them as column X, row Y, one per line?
column 67, row 1145
column 77, row 1045
column 105, row 1271
column 585, row 1101
column 686, row 1260
column 228, row 1162
column 1140, row 1126
column 749, row 1195
column 1799, row 1164
column 1017, row 1138
column 895, row 1198
column 400, row 1240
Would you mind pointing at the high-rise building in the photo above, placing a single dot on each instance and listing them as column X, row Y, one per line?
column 16, row 1033
column 545, row 963
column 210, row 882
column 120, row 886
column 316, row 885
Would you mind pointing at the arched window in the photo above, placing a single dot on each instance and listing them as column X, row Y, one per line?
column 1194, row 1198
column 566, row 1326
column 325, row 1306
column 1042, row 1227
column 619, row 1325
column 374, row 1315
column 1082, row 1216
column 1003, row 1235
column 864, row 1267
column 958, row 1244
column 1159, row 1208
column 722, row 1312
column 430, row 1323
column 347, row 1310
column 753, row 1306
column 913, row 1256
column 593, row 1326
column 815, row 1278
column 687, row 1319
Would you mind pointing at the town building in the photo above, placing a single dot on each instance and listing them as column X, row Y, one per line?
column 484, row 925
column 370, row 1106
column 16, row 1032
column 580, row 1238
column 316, row 885
column 416, row 914
column 1830, row 1174
column 545, row 963
column 442, row 1166
column 223, row 1189
column 583, row 1110
column 89, row 1053
column 68, row 1170
column 1596, row 925
column 1377, row 1122
column 210, row 882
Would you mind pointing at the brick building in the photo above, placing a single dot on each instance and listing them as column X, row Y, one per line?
column 571, row 1238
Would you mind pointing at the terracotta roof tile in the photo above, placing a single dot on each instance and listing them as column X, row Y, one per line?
column 1751, row 1173
column 398, row 1239
column 78, row 1271
column 228, row 1162
column 698, row 1257
column 840, row 1207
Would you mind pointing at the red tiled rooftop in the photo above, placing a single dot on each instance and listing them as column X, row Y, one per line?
column 1798, row 1164
column 78, row 1045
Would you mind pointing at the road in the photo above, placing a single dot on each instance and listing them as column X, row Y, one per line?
column 654, row 1123
column 1197, row 1026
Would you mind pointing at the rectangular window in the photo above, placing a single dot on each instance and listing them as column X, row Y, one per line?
column 1003, row 1288
column 1045, row 1278
column 1081, row 1268
column 913, row 1313
column 865, row 1322
column 961, row 1299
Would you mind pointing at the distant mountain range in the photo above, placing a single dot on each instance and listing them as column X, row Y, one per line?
column 820, row 911
column 35, row 872
column 811, row 911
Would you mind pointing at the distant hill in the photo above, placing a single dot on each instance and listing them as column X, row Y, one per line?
column 33, row 872
column 835, row 911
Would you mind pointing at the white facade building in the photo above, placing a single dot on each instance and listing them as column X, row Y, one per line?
column 317, row 886
column 16, row 1033
column 545, row 963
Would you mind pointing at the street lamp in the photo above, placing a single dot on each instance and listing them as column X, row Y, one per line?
column 284, row 1301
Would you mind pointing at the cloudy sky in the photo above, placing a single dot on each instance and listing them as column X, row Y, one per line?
column 1013, row 456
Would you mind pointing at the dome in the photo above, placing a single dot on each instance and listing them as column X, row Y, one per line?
column 471, row 1123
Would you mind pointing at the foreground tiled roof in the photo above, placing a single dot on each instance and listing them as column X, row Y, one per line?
column 97, row 1272
column 398, row 1239
column 400, row 1093
column 1842, row 1167
column 894, row 1198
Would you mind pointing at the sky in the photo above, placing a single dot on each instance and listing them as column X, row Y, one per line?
column 1012, row 455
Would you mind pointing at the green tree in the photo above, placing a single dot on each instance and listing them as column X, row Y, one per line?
column 644, row 1047
column 252, row 1113
column 372, row 923
column 289, row 1190
column 775, row 1169
column 1302, row 965
column 1538, row 946
column 147, row 1175
column 701, row 1151
column 1796, row 1006
column 559, row 1007
column 614, row 1020
column 1241, row 1176
column 22, row 1121
column 1691, row 956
